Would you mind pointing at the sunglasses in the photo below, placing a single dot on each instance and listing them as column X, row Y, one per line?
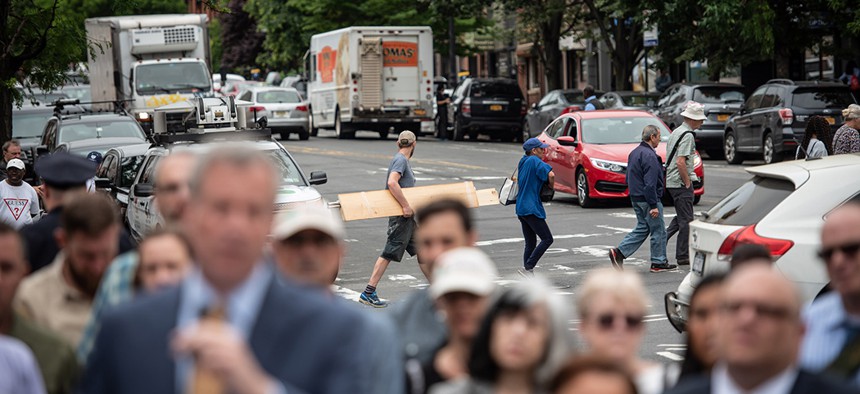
column 849, row 249
column 607, row 321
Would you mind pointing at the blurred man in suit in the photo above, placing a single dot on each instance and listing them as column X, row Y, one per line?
column 230, row 326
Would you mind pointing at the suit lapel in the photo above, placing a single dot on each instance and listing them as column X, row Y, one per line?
column 269, row 325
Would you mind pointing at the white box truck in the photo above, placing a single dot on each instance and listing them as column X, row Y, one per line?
column 149, row 61
column 371, row 78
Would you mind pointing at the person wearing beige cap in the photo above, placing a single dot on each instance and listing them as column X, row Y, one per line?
column 401, row 229
column 463, row 283
column 20, row 201
column 308, row 245
column 680, row 176
column 847, row 138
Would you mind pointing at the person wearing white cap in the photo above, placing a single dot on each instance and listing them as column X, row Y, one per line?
column 680, row 176
column 463, row 283
column 20, row 201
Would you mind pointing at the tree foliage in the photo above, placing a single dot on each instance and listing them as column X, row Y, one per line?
column 241, row 41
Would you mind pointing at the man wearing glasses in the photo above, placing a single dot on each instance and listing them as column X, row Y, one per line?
column 832, row 342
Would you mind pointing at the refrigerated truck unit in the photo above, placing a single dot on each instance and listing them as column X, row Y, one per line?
column 149, row 60
column 371, row 78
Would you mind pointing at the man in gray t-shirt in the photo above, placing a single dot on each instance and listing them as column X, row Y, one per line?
column 680, row 174
column 401, row 229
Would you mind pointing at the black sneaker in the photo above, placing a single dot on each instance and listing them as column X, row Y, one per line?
column 662, row 267
column 683, row 262
column 616, row 258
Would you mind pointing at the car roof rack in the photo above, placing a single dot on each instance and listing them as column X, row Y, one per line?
column 782, row 81
column 218, row 136
column 118, row 106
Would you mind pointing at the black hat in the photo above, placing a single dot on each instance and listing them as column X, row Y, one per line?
column 64, row 171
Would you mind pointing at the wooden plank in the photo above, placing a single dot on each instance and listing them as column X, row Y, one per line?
column 380, row 203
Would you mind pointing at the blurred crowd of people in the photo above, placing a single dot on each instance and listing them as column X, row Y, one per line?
column 231, row 298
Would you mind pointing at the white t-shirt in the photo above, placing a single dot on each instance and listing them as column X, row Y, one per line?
column 18, row 204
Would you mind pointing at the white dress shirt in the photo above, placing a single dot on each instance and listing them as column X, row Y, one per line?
column 722, row 383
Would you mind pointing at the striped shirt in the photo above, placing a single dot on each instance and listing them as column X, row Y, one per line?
column 827, row 327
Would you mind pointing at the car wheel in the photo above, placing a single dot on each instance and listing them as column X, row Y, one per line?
column 383, row 135
column 304, row 135
column 314, row 131
column 731, row 150
column 285, row 135
column 525, row 134
column 459, row 134
column 769, row 153
column 582, row 190
column 696, row 200
column 473, row 134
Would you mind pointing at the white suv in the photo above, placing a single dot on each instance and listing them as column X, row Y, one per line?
column 295, row 190
column 783, row 208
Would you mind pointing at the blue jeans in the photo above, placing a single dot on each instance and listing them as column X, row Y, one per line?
column 646, row 225
column 534, row 226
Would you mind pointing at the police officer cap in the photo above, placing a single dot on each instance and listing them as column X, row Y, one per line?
column 64, row 171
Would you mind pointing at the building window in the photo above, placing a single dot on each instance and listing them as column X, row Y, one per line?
column 534, row 82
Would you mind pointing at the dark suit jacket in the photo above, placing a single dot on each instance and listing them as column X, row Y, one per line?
column 301, row 339
column 806, row 383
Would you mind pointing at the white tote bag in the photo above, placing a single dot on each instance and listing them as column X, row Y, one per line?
column 508, row 191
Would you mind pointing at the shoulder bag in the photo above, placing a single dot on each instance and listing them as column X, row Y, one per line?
column 509, row 189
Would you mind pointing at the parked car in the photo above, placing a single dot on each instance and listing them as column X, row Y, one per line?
column 119, row 168
column 216, row 80
column 284, row 109
column 68, row 128
column 493, row 106
column 551, row 106
column 80, row 92
column 773, row 120
column 297, row 82
column 588, row 152
column 233, row 87
column 783, row 208
column 629, row 100
column 721, row 100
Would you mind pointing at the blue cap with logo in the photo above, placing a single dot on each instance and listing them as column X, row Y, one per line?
column 62, row 170
column 95, row 157
column 532, row 143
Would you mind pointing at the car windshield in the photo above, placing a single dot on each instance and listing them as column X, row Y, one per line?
column 716, row 95
column 489, row 89
column 81, row 93
column 186, row 77
column 130, row 165
column 638, row 100
column 626, row 130
column 820, row 99
column 751, row 202
column 105, row 129
column 290, row 175
column 573, row 97
column 278, row 96
column 28, row 124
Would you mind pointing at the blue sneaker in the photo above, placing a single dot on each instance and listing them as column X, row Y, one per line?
column 372, row 300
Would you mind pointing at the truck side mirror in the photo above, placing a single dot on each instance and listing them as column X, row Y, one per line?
column 143, row 190
column 318, row 178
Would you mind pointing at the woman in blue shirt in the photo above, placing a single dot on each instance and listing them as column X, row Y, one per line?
column 532, row 173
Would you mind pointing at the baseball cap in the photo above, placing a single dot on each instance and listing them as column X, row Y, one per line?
column 468, row 270
column 320, row 218
column 406, row 138
column 532, row 143
column 16, row 163
column 94, row 157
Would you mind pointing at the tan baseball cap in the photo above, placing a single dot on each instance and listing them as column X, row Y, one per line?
column 406, row 138
column 322, row 219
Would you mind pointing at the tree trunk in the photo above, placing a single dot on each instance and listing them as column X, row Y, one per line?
column 550, row 35
column 6, row 103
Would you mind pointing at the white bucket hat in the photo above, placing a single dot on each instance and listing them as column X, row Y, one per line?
column 694, row 111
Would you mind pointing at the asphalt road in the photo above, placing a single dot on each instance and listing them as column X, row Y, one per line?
column 582, row 236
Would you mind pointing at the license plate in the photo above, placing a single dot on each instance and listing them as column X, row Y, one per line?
column 495, row 108
column 722, row 117
column 281, row 114
column 699, row 263
column 830, row 120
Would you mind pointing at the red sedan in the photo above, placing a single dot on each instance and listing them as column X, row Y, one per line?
column 588, row 152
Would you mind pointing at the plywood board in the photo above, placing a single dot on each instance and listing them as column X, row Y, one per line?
column 380, row 203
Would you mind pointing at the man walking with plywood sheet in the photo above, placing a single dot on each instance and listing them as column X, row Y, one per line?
column 401, row 229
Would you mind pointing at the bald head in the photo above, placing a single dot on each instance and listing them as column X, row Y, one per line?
column 761, row 324
column 841, row 231
column 172, row 176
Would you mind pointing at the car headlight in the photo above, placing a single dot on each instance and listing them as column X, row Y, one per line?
column 610, row 166
column 697, row 160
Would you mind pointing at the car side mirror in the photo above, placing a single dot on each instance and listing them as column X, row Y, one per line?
column 41, row 150
column 103, row 183
column 318, row 178
column 143, row 190
column 567, row 141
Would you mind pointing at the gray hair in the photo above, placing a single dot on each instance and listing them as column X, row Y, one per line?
column 624, row 286
column 8, row 144
column 852, row 112
column 242, row 157
column 649, row 131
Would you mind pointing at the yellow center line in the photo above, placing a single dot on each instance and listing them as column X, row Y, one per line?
column 329, row 152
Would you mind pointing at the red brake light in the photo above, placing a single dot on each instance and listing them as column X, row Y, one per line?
column 747, row 235
column 466, row 107
column 257, row 108
column 572, row 108
column 303, row 108
column 524, row 109
column 787, row 116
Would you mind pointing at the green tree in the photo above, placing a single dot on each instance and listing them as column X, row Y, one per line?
column 240, row 39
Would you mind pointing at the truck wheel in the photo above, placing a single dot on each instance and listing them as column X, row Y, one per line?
column 313, row 129
column 339, row 129
column 459, row 134
column 304, row 134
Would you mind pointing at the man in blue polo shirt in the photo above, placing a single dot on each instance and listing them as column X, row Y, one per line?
column 532, row 173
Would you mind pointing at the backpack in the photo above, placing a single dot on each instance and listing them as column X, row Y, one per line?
column 596, row 103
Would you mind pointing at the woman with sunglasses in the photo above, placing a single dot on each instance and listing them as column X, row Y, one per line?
column 611, row 306
column 523, row 341
column 702, row 327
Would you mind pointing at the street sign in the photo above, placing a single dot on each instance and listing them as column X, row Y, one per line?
column 650, row 38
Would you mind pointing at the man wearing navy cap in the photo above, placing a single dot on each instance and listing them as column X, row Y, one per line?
column 94, row 157
column 63, row 174
column 532, row 173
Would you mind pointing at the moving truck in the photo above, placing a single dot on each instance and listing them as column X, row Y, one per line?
column 148, row 61
column 371, row 78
